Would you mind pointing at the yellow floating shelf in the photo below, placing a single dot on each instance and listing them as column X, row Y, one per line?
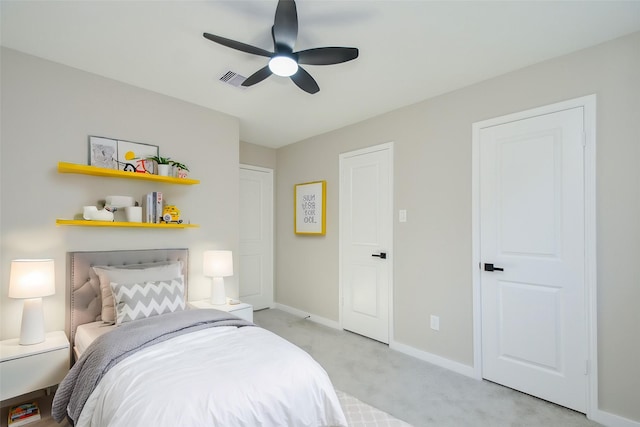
column 64, row 167
column 84, row 223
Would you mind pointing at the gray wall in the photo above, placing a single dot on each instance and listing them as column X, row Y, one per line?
column 48, row 110
column 257, row 155
column 433, row 183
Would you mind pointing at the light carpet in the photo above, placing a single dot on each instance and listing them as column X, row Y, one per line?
column 359, row 414
column 410, row 389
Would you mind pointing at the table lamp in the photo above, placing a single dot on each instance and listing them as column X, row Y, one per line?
column 218, row 265
column 32, row 279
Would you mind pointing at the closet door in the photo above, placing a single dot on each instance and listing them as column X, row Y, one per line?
column 256, row 236
column 532, row 221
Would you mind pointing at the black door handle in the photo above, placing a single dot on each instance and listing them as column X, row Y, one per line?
column 490, row 267
column 381, row 255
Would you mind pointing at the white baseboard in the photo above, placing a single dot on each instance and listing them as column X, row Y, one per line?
column 321, row 320
column 434, row 359
column 403, row 348
column 605, row 418
column 612, row 420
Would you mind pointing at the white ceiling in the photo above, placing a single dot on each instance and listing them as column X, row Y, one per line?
column 409, row 50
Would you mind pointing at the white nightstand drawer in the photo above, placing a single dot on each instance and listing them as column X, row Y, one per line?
column 24, row 369
column 242, row 310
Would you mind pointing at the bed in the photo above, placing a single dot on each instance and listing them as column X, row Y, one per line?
column 147, row 359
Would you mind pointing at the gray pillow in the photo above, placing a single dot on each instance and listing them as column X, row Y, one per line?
column 134, row 273
column 140, row 300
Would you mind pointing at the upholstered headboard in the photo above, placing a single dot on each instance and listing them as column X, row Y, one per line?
column 85, row 302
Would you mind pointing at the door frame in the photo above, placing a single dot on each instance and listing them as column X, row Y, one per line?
column 588, row 103
column 384, row 146
column 271, row 174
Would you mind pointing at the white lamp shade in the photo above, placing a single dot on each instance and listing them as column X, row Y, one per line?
column 218, row 263
column 32, row 278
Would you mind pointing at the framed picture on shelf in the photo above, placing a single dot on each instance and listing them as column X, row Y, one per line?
column 310, row 206
column 103, row 152
column 132, row 156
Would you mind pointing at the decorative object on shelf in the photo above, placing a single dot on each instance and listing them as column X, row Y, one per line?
column 133, row 156
column 218, row 265
column 119, row 201
column 163, row 164
column 310, row 208
column 32, row 279
column 103, row 152
column 133, row 213
column 122, row 155
column 181, row 170
column 92, row 213
column 118, row 205
column 171, row 213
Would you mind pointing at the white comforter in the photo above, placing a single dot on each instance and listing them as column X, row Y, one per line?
column 222, row 376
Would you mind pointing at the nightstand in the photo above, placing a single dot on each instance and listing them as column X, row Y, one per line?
column 27, row 368
column 242, row 310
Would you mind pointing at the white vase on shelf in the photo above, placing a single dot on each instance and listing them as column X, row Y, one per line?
column 164, row 170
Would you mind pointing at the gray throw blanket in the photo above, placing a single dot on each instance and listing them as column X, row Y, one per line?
column 108, row 349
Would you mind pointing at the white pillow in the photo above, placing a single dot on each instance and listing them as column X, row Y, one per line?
column 134, row 273
column 140, row 300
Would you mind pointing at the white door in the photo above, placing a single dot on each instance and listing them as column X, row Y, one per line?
column 366, row 227
column 256, row 236
column 532, row 230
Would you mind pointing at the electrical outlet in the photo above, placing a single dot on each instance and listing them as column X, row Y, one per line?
column 435, row 323
column 402, row 215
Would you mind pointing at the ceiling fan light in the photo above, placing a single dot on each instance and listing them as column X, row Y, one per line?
column 284, row 66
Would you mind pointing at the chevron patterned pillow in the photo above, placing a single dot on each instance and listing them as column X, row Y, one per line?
column 131, row 273
column 140, row 300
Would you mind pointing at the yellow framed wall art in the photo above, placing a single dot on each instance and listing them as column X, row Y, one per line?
column 310, row 207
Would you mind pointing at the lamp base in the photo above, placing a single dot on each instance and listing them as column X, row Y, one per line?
column 32, row 328
column 218, row 294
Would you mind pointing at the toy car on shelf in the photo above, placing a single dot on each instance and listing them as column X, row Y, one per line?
column 171, row 214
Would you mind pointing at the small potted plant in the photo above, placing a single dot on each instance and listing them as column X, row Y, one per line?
column 164, row 164
column 181, row 169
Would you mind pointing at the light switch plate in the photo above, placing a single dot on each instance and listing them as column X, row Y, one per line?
column 435, row 322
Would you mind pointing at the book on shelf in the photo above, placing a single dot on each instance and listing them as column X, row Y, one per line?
column 152, row 204
column 147, row 213
column 23, row 414
column 157, row 196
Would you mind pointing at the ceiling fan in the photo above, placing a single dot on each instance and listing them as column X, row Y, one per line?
column 284, row 61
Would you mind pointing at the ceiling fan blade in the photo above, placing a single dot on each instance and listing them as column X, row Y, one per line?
column 257, row 77
column 243, row 47
column 304, row 81
column 327, row 55
column 285, row 25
